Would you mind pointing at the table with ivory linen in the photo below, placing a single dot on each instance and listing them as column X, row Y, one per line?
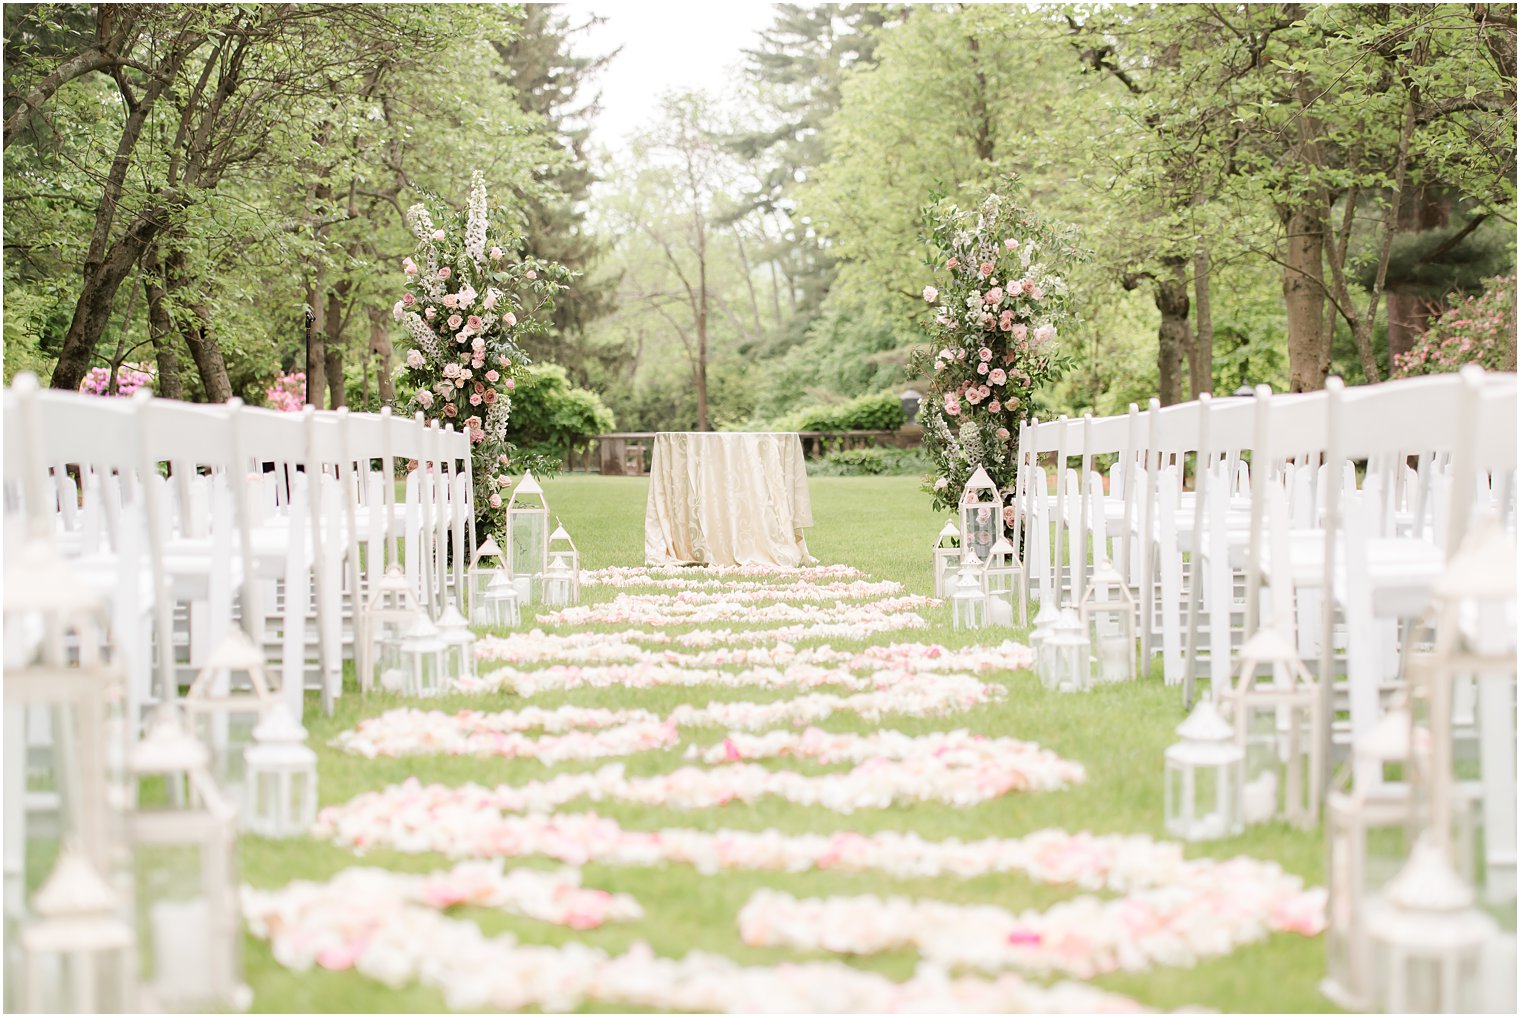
column 727, row 498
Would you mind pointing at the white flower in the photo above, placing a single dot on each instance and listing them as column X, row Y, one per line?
column 930, row 294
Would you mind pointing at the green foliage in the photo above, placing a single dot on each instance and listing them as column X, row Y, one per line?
column 549, row 413
column 1478, row 330
column 872, row 462
column 880, row 412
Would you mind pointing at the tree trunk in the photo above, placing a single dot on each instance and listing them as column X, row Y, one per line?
column 1408, row 313
column 92, row 311
column 161, row 329
column 1201, row 368
column 333, row 360
column 316, row 347
column 1174, row 340
column 1304, row 294
column 194, row 323
column 380, row 350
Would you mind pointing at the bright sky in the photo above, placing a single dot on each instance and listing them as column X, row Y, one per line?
column 666, row 46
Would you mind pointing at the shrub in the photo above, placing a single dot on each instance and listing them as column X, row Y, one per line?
column 1476, row 330
column 548, row 413
column 880, row 412
column 872, row 462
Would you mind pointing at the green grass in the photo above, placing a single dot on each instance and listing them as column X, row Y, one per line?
column 884, row 526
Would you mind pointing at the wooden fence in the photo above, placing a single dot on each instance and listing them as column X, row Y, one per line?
column 627, row 453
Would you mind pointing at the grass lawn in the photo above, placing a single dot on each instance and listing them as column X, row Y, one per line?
column 883, row 526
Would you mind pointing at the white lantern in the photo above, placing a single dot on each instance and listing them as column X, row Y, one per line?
column 190, row 934
column 223, row 705
column 502, row 605
column 282, row 777
column 559, row 582
column 1070, row 654
column 1276, row 727
column 947, row 560
column 560, row 545
column 968, row 605
column 78, row 952
column 1039, row 641
column 1428, row 940
column 527, row 535
column 1001, row 576
column 485, row 566
column 422, row 654
column 458, row 645
column 981, row 515
column 389, row 616
column 1368, row 839
column 1109, row 620
column 1203, row 778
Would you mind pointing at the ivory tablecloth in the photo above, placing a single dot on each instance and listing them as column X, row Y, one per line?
column 727, row 498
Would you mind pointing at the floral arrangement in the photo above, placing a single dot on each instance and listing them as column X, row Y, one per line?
column 1210, row 910
column 129, row 378
column 366, row 925
column 288, row 392
column 471, row 293
column 997, row 304
column 1478, row 329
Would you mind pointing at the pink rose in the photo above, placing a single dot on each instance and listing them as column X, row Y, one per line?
column 475, row 323
column 450, row 300
column 973, row 395
column 997, row 376
column 1020, row 332
column 425, row 399
column 1015, row 287
column 444, row 272
column 414, row 359
column 1035, row 293
column 474, row 398
column 1010, row 244
column 994, row 407
column 953, row 264
column 455, row 321
column 941, row 484
column 984, row 353
column 438, row 234
column 492, row 376
column 930, row 294
column 464, row 372
column 478, row 344
column 940, row 319
column 960, row 354
column 952, row 405
column 503, row 361
column 408, row 266
column 1002, row 432
column 939, row 365
column 981, row 368
column 532, row 275
column 451, row 410
column 496, row 253
column 987, row 269
column 510, row 385
column 451, row 370
column 408, row 300
column 993, row 296
column 496, row 501
column 489, row 395
column 429, row 313
column 1044, row 334
column 509, row 319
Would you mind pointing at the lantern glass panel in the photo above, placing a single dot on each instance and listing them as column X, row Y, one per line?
column 422, row 660
column 968, row 605
column 227, row 732
column 502, row 603
column 63, row 979
column 527, row 532
column 1201, row 800
column 557, row 582
column 283, row 799
column 981, row 521
column 388, row 645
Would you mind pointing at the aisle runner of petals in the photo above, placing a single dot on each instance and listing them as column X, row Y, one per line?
column 619, row 575
column 662, row 609
column 1210, row 911
column 400, row 943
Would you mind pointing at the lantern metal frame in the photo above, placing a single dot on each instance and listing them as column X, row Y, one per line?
column 503, row 604
column 481, row 574
column 282, row 778
column 572, row 554
column 1109, row 621
column 214, row 711
column 1039, row 641
column 1207, row 748
column 195, row 817
column 1277, row 727
column 981, row 514
column 393, row 608
column 520, row 517
column 1002, row 578
column 968, row 604
column 423, row 654
column 77, row 922
column 458, row 645
column 947, row 559
column 558, row 586
column 1070, row 654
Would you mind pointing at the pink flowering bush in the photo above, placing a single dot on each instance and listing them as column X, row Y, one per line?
column 464, row 309
column 288, row 393
column 129, row 378
column 1478, row 330
column 995, row 310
